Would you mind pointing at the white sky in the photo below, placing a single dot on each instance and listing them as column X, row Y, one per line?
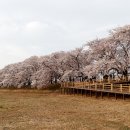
column 39, row 27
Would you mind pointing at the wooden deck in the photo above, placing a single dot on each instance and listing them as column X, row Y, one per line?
column 97, row 89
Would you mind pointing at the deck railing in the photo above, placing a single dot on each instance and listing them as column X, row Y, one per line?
column 105, row 86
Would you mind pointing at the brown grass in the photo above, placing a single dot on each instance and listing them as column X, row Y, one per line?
column 44, row 110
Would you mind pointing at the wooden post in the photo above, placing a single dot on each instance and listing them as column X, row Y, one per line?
column 116, row 96
column 73, row 91
column 82, row 91
column 111, row 87
column 121, row 87
column 108, row 79
column 77, row 91
column 123, row 96
column 66, row 84
column 70, row 91
column 123, row 77
column 90, row 93
column 128, row 77
column 61, row 85
column 67, row 91
column 61, row 90
column 102, row 95
column 88, row 86
column 108, row 94
column 85, row 92
column 93, row 82
column 103, row 86
column 100, row 80
column 64, row 90
column 71, row 84
column 83, row 84
column 95, row 86
column 96, row 94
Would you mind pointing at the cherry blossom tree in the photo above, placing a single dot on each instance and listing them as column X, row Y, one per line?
column 109, row 56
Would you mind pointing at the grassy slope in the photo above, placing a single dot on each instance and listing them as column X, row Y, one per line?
column 39, row 110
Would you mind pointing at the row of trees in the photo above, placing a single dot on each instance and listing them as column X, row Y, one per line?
column 108, row 56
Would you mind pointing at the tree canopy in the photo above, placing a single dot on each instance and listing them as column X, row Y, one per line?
column 106, row 56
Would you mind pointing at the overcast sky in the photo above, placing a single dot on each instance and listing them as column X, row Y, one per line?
column 40, row 27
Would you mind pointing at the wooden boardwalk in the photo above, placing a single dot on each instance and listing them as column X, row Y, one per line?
column 97, row 89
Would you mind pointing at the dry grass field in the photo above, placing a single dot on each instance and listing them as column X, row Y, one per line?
column 44, row 110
